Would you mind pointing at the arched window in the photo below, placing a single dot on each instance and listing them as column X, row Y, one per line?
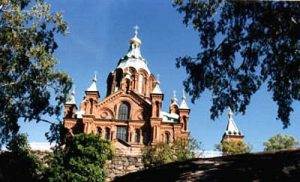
column 91, row 109
column 69, row 112
column 184, row 123
column 99, row 131
column 137, row 136
column 124, row 111
column 167, row 138
column 107, row 133
column 118, row 78
column 157, row 109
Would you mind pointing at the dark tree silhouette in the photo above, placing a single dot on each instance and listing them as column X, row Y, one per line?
column 243, row 45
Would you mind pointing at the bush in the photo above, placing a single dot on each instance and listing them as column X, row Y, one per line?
column 281, row 142
column 163, row 153
column 230, row 147
column 82, row 159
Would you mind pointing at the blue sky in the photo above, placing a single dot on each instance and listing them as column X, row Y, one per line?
column 99, row 35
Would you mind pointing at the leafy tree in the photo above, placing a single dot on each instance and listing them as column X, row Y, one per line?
column 280, row 142
column 158, row 154
column 243, row 44
column 163, row 153
column 82, row 159
column 28, row 78
column 186, row 149
column 18, row 163
column 231, row 147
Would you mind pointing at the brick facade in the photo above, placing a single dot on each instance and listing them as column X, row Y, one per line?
column 130, row 115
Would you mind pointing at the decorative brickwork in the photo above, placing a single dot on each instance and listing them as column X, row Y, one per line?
column 130, row 115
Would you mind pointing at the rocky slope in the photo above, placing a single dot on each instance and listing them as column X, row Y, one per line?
column 279, row 166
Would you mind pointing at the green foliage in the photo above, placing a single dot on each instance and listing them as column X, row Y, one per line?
column 186, row 149
column 233, row 147
column 28, row 78
column 281, row 142
column 18, row 163
column 18, row 144
column 243, row 44
column 163, row 153
column 156, row 155
column 82, row 159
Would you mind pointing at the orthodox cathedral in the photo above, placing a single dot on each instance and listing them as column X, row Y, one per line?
column 130, row 115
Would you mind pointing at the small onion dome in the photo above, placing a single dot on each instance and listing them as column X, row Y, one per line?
column 174, row 99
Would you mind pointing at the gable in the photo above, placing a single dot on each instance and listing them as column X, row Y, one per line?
column 108, row 108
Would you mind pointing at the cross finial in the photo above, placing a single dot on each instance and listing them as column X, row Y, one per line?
column 174, row 93
column 95, row 76
column 136, row 28
column 230, row 112
column 183, row 94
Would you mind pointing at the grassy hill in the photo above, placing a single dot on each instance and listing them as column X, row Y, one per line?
column 279, row 166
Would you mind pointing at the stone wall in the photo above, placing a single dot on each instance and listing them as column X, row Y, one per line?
column 121, row 165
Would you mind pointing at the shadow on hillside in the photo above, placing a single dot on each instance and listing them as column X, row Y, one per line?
column 280, row 166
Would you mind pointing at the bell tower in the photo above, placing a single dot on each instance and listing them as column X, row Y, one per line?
column 156, row 98
column 91, row 98
column 184, row 112
column 70, row 106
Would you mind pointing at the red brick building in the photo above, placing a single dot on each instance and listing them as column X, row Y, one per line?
column 130, row 115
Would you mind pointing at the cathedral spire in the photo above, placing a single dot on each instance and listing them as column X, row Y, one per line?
column 157, row 89
column 93, row 86
column 183, row 104
column 71, row 99
column 232, row 128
